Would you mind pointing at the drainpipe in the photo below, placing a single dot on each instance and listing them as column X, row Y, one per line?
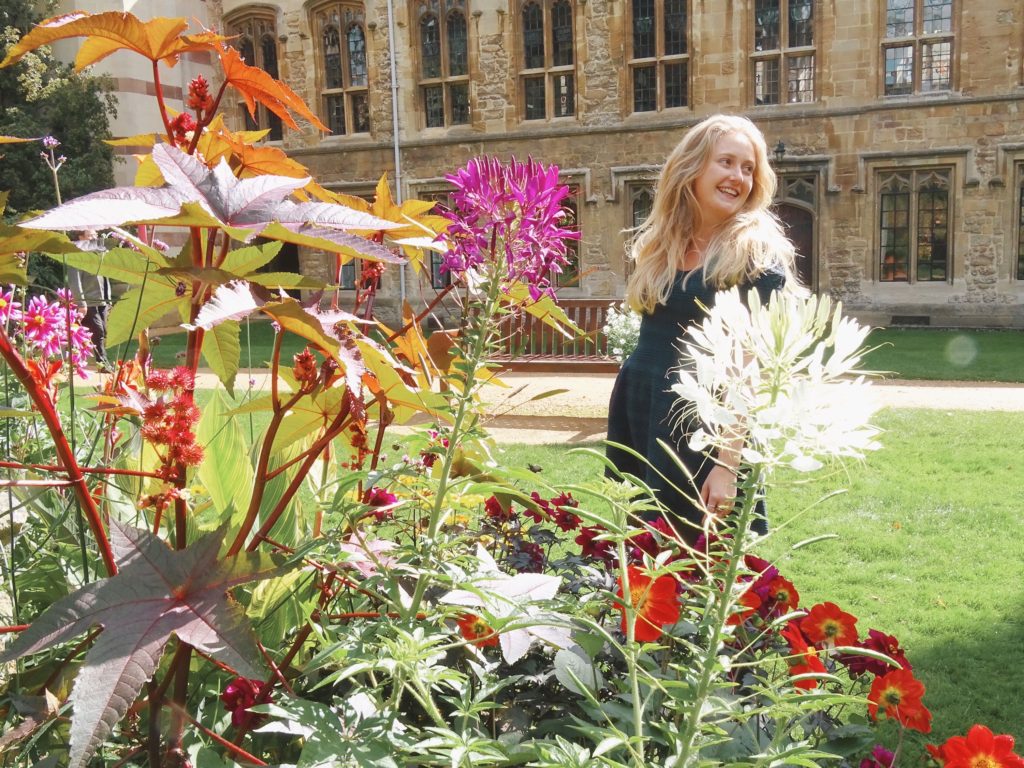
column 394, row 131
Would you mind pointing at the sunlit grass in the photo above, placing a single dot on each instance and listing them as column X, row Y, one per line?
column 948, row 355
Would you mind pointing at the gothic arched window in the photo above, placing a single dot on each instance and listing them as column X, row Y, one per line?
column 547, row 76
column 341, row 38
column 914, row 225
column 444, row 62
column 257, row 45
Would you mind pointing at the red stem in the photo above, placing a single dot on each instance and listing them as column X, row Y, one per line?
column 234, row 748
column 160, row 101
column 261, row 473
column 204, row 119
column 419, row 318
column 14, row 628
column 85, row 470
column 35, row 483
column 311, row 455
column 263, row 695
column 63, row 450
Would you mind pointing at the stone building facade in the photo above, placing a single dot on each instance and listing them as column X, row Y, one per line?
column 897, row 124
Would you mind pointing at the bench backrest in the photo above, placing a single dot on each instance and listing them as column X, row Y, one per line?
column 529, row 336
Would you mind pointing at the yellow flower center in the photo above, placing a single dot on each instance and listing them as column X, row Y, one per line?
column 891, row 696
column 480, row 628
column 985, row 761
column 39, row 320
column 830, row 627
column 3, row 303
column 638, row 596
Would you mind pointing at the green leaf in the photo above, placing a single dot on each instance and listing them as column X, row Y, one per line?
column 121, row 264
column 308, row 415
column 241, row 261
column 222, row 350
column 19, row 240
column 278, row 606
column 226, row 472
column 14, row 413
column 140, row 307
column 544, row 309
column 290, row 315
column 285, row 280
column 288, row 529
column 12, row 269
column 156, row 592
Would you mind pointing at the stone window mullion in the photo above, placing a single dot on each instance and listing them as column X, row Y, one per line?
column 547, row 77
column 343, row 66
column 658, row 58
column 917, row 49
column 783, row 62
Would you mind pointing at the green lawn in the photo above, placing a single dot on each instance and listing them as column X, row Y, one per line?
column 950, row 355
column 930, row 548
column 257, row 342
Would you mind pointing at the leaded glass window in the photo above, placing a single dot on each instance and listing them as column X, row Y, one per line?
column 914, row 226
column 547, row 78
column 257, row 45
column 340, row 30
column 659, row 58
column 570, row 274
column 444, row 62
column 917, row 52
column 784, row 57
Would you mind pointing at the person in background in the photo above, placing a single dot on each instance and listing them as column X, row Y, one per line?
column 709, row 229
column 93, row 292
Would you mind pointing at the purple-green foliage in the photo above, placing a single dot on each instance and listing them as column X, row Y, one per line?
column 157, row 592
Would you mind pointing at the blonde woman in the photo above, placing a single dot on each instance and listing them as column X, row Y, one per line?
column 709, row 229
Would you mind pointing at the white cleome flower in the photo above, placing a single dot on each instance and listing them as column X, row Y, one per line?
column 784, row 376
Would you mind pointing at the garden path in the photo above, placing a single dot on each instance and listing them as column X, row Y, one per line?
column 577, row 413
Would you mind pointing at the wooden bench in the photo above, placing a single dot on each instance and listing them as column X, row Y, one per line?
column 528, row 343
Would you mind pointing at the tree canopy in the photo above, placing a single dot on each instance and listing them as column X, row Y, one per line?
column 40, row 96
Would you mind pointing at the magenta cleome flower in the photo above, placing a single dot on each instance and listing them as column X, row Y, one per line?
column 508, row 221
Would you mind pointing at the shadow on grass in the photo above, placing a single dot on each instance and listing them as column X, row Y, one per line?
column 976, row 671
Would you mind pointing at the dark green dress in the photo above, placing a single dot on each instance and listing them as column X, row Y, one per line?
column 643, row 408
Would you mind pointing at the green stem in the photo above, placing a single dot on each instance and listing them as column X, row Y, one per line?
column 67, row 457
column 630, row 653
column 721, row 616
column 473, row 362
column 422, row 695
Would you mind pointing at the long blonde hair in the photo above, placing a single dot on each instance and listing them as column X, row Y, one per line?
column 742, row 247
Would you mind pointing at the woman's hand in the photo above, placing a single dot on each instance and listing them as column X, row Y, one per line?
column 719, row 491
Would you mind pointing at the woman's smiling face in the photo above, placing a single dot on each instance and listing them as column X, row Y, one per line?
column 724, row 185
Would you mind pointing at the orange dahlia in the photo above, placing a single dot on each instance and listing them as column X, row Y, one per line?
column 476, row 630
column 827, row 624
column 980, row 748
column 654, row 601
column 899, row 694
